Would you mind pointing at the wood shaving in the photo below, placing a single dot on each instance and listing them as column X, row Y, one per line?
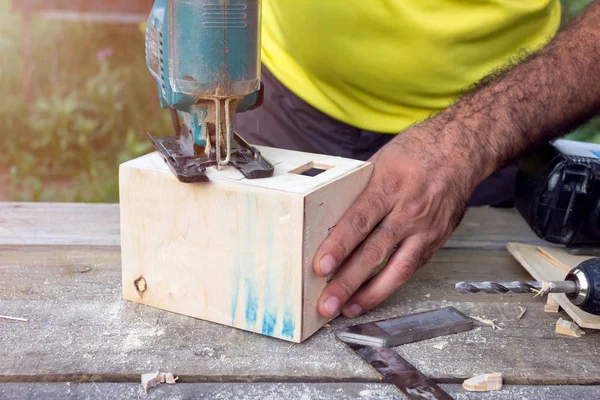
column 523, row 311
column 546, row 286
column 484, row 383
column 156, row 378
column 490, row 322
column 170, row 379
column 13, row 318
column 441, row 345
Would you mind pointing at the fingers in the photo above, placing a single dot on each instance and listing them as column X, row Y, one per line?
column 359, row 267
column 401, row 265
column 356, row 224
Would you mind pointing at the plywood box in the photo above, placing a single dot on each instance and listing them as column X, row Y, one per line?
column 234, row 251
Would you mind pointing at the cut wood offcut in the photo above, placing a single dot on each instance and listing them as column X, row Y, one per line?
column 484, row 383
column 156, row 378
column 234, row 251
column 553, row 264
column 551, row 305
column 568, row 328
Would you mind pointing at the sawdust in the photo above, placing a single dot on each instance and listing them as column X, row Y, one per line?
column 205, row 351
column 302, row 391
column 139, row 336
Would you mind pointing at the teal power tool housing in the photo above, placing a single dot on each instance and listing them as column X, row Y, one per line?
column 205, row 57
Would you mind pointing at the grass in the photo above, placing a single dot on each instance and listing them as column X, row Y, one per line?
column 94, row 102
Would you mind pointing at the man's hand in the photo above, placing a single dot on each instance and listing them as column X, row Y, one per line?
column 416, row 196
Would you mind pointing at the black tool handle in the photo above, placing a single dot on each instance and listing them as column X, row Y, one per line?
column 591, row 270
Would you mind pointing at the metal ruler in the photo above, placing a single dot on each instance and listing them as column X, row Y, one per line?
column 373, row 341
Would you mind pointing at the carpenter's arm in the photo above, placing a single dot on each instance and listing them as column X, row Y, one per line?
column 422, row 180
column 542, row 98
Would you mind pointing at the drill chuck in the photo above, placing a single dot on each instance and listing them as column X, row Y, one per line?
column 587, row 277
column 581, row 286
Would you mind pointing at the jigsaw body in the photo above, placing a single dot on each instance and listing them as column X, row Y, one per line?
column 205, row 57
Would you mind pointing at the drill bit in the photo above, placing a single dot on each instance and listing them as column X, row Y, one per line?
column 567, row 287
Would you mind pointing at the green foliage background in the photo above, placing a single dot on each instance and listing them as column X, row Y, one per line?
column 90, row 113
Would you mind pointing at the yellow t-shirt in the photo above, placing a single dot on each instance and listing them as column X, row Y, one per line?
column 383, row 65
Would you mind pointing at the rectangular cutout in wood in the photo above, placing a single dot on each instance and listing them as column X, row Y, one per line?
column 311, row 169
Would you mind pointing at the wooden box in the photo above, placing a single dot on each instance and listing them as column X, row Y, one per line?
column 234, row 251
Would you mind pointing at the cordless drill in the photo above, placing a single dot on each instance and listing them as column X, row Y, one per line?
column 558, row 195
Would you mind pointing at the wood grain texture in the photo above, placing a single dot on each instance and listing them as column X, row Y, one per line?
column 59, row 224
column 551, row 305
column 274, row 391
column 323, row 208
column 544, row 270
column 232, row 250
column 560, row 258
column 80, row 329
column 491, row 228
column 98, row 224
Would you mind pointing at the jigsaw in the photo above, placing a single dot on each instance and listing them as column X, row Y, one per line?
column 205, row 58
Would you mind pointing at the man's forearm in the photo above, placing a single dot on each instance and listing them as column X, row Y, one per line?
column 542, row 98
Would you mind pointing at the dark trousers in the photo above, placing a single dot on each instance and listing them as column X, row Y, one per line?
column 286, row 121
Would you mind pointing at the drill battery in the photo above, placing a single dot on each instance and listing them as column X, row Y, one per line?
column 558, row 194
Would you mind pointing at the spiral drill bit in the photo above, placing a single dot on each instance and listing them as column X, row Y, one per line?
column 518, row 287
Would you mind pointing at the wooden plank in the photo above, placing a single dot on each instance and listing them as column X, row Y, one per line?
column 49, row 272
column 543, row 270
column 560, row 258
column 492, row 228
column 276, row 391
column 98, row 224
column 44, row 272
column 240, row 245
column 59, row 224
column 75, row 333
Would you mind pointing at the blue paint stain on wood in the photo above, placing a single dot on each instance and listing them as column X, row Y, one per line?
column 288, row 325
column 235, row 291
column 269, row 321
column 251, row 303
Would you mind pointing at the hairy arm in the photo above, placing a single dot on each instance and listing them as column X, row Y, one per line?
column 423, row 179
column 543, row 97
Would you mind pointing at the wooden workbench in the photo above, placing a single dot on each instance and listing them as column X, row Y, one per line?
column 60, row 269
